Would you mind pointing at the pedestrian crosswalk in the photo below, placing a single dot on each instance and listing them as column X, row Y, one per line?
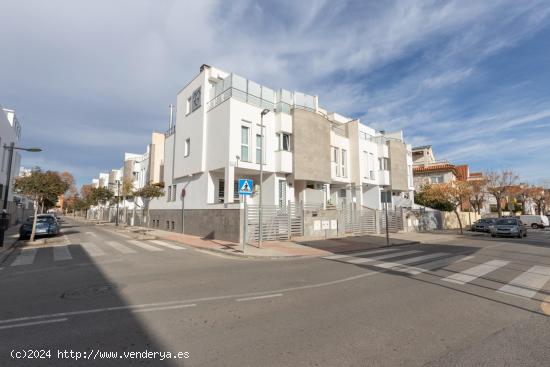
column 67, row 251
column 457, row 269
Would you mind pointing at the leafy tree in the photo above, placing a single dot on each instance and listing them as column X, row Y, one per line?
column 423, row 197
column 453, row 194
column 42, row 188
column 99, row 195
column 147, row 193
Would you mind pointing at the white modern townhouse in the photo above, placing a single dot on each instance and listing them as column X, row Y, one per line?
column 310, row 158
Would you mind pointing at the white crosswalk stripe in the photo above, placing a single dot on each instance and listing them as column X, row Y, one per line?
column 470, row 274
column 92, row 249
column 363, row 260
column 342, row 256
column 432, row 265
column 26, row 257
column 61, row 253
column 120, row 247
column 411, row 260
column 145, row 246
column 528, row 283
column 166, row 244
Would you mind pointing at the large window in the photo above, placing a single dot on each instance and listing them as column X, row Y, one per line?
column 344, row 163
column 436, row 179
column 221, row 190
column 384, row 164
column 259, row 149
column 283, row 141
column 335, row 160
column 245, row 133
column 169, row 196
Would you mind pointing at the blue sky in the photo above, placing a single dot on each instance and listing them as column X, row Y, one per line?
column 91, row 80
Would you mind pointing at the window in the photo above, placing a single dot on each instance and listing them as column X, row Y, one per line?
column 384, row 164
column 282, row 193
column 188, row 106
column 173, row 225
column 335, row 155
column 436, row 179
column 344, row 161
column 167, row 224
column 187, row 147
column 169, row 196
column 221, row 191
column 174, row 193
column 259, row 149
column 283, row 141
column 245, row 131
column 236, row 190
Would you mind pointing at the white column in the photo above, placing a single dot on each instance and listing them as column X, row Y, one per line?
column 229, row 183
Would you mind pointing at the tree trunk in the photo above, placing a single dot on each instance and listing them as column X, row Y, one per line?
column 459, row 221
column 33, row 232
column 499, row 206
column 42, row 208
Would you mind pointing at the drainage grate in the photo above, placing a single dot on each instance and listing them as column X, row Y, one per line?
column 99, row 290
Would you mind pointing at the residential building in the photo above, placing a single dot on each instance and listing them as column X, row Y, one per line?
column 309, row 155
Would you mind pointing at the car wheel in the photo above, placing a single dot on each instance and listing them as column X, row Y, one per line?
column 534, row 226
column 493, row 235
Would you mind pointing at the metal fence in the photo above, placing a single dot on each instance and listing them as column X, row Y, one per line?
column 278, row 222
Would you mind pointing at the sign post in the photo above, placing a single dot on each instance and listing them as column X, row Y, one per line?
column 245, row 189
column 386, row 197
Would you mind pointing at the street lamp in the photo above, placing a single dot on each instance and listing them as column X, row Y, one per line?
column 11, row 148
column 262, row 114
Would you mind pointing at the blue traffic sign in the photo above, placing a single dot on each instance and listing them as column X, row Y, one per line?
column 245, row 186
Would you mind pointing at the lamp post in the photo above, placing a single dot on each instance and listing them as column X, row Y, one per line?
column 11, row 148
column 262, row 114
column 117, row 200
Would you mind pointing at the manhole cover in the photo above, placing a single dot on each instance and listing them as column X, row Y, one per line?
column 90, row 291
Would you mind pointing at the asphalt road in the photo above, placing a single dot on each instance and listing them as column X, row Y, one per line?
column 468, row 302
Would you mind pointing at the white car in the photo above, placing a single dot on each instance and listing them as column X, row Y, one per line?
column 534, row 221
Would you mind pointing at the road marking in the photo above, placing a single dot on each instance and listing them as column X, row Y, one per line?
column 121, row 235
column 61, row 253
column 363, row 260
column 166, row 244
column 203, row 299
column 32, row 323
column 92, row 249
column 259, row 297
column 92, row 234
column 120, row 247
column 468, row 275
column 466, row 258
column 411, row 260
column 26, row 257
column 528, row 283
column 334, row 257
column 144, row 246
column 431, row 265
column 164, row 308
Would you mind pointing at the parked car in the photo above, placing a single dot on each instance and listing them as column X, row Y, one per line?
column 482, row 225
column 46, row 225
column 534, row 221
column 510, row 227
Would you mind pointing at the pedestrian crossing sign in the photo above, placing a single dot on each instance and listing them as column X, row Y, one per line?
column 245, row 186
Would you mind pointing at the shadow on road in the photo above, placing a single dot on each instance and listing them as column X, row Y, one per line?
column 71, row 307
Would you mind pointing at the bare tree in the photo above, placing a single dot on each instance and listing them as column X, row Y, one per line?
column 499, row 185
column 478, row 193
column 453, row 194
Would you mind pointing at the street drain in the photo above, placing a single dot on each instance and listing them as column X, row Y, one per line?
column 99, row 290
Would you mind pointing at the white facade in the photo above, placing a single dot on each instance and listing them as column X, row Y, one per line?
column 10, row 132
column 216, row 140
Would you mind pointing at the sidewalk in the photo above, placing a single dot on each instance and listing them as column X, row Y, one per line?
column 11, row 236
column 283, row 249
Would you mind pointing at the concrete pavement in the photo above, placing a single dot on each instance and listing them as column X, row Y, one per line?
column 384, row 307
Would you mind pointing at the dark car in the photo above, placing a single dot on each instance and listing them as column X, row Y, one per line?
column 509, row 227
column 46, row 225
column 483, row 225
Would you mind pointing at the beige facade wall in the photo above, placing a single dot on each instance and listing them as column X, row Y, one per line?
column 311, row 146
column 398, row 165
column 156, row 158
